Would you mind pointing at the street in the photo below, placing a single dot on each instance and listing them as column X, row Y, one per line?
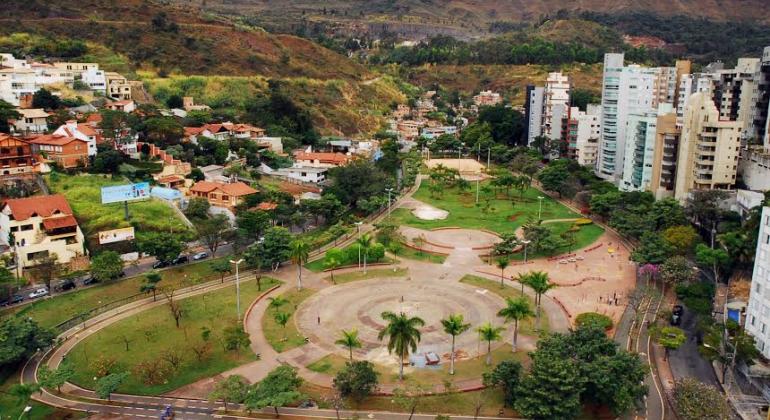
column 687, row 362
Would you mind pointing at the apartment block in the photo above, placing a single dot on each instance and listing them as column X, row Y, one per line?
column 583, row 133
column 641, row 129
column 667, row 136
column 534, row 110
column 758, row 309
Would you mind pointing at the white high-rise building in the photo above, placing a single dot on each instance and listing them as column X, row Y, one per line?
column 640, row 151
column 583, row 133
column 535, row 114
column 555, row 104
column 758, row 310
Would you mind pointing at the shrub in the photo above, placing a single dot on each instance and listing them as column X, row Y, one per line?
column 594, row 319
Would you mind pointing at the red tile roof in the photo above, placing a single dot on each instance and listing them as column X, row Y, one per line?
column 267, row 206
column 87, row 130
column 59, row 222
column 53, row 140
column 326, row 157
column 94, row 118
column 236, row 189
column 43, row 206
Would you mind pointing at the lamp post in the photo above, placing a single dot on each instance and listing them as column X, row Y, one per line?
column 525, row 242
column 237, row 288
column 540, row 208
column 477, row 190
column 389, row 190
column 713, row 233
column 25, row 411
column 358, row 231
column 459, row 151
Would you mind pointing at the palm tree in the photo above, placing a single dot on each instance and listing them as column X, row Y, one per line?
column 490, row 333
column 516, row 310
column 502, row 264
column 540, row 284
column 522, row 278
column 350, row 340
column 454, row 326
column 403, row 335
column 332, row 264
column 300, row 251
column 364, row 242
column 277, row 302
column 281, row 318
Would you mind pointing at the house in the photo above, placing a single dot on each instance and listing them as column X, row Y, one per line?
column 32, row 121
column 125, row 105
column 95, row 79
column 320, row 160
column 40, row 227
column 214, row 173
column 304, row 173
column 65, row 151
column 220, row 194
column 81, row 131
column 15, row 156
column 433, row 132
column 409, row 129
column 224, row 131
column 487, row 98
column 274, row 144
column 171, row 181
column 118, row 87
column 171, row 165
column 188, row 103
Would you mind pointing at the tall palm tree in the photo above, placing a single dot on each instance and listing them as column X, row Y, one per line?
column 516, row 310
column 522, row 278
column 540, row 284
column 281, row 318
column 490, row 333
column 300, row 251
column 365, row 242
column 350, row 340
column 403, row 335
column 502, row 264
column 454, row 326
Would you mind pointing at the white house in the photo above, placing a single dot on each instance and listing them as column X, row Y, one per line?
column 304, row 173
column 32, row 121
column 79, row 131
column 95, row 79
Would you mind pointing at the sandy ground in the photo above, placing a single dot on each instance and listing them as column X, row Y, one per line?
column 428, row 212
column 466, row 166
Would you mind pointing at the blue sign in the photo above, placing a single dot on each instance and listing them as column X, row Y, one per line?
column 128, row 192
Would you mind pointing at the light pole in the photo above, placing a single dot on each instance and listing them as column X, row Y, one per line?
column 459, row 151
column 25, row 411
column 389, row 190
column 477, row 190
column 358, row 230
column 525, row 242
column 540, row 208
column 237, row 288
column 713, row 233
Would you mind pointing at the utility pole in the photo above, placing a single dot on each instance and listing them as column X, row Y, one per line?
column 237, row 288
column 389, row 190
column 477, row 190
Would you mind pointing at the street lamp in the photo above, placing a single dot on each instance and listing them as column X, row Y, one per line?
column 25, row 411
column 237, row 288
column 389, row 190
column 459, row 151
column 358, row 230
column 540, row 208
column 525, row 242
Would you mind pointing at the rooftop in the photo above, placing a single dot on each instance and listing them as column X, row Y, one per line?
column 43, row 206
column 236, row 189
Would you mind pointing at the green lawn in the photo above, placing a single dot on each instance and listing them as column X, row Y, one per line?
column 12, row 408
column 351, row 258
column 370, row 274
column 525, row 327
column 153, row 333
column 413, row 254
column 504, row 216
column 51, row 311
column 280, row 338
column 587, row 235
column 84, row 195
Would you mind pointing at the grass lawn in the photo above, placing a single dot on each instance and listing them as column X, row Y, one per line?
column 280, row 338
column 351, row 258
column 413, row 254
column 525, row 327
column 12, row 408
column 429, row 376
column 52, row 311
column 152, row 333
column 504, row 216
column 587, row 235
column 84, row 195
column 370, row 274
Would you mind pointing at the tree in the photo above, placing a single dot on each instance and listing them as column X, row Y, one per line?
column 540, row 283
column 403, row 335
column 212, row 231
column 715, row 258
column 680, row 238
column 280, row 387
column 357, row 380
column 43, row 98
column 333, row 259
column 281, row 318
column 349, row 339
column 234, row 388
column 197, row 208
column 23, row 392
column 55, row 378
column 20, row 337
column 174, row 101
column 253, row 222
column 106, row 385
column 652, row 249
column 506, row 376
column 408, row 398
column 365, row 243
column 300, row 251
column 502, row 264
column 490, row 333
column 454, row 325
column 47, row 268
column 671, row 338
column 551, row 390
column 235, row 337
column 173, row 305
column 360, row 179
column 107, row 159
column 163, row 246
column 106, row 266
column 7, row 112
column 594, row 320
column 555, row 177
column 221, row 267
column 677, row 270
column 516, row 310
column 275, row 248
column 163, row 131
column 151, row 281
column 694, row 400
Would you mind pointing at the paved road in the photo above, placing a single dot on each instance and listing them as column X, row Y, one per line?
column 686, row 362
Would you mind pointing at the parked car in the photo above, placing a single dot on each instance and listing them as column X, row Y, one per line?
column 160, row 264
column 38, row 293
column 15, row 299
column 89, row 281
column 200, row 256
column 180, row 260
column 676, row 314
column 67, row 285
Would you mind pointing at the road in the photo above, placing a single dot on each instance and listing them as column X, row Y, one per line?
column 686, row 362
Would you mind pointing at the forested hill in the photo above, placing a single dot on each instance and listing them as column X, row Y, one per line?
column 166, row 39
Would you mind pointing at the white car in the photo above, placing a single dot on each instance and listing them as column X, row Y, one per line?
column 38, row 293
column 200, row 256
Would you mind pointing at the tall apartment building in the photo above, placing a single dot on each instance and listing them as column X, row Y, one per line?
column 667, row 135
column 555, row 104
column 708, row 148
column 625, row 90
column 583, row 133
column 758, row 310
column 641, row 141
column 534, row 117
column 735, row 93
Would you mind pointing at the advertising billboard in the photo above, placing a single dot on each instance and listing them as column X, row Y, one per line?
column 116, row 235
column 128, row 192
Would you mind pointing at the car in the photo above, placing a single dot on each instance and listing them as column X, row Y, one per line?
column 67, row 285
column 676, row 314
column 160, row 264
column 15, row 299
column 89, row 281
column 180, row 260
column 38, row 293
column 200, row 256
